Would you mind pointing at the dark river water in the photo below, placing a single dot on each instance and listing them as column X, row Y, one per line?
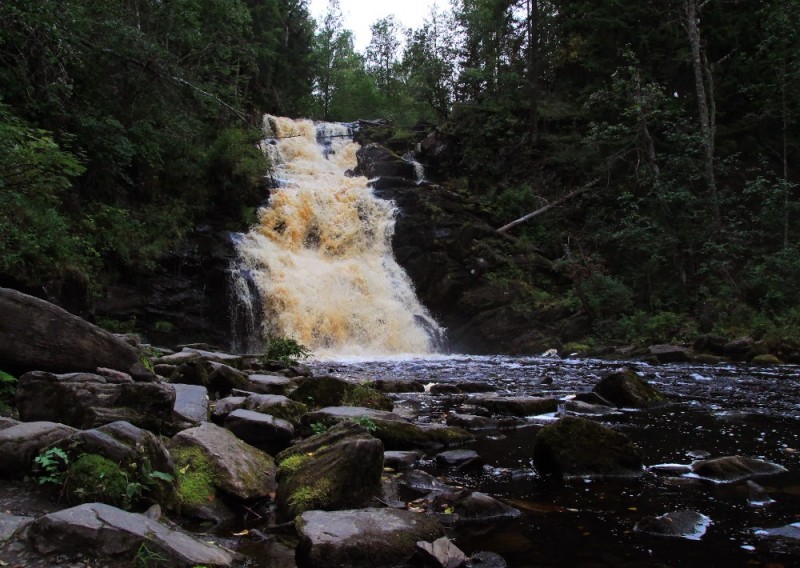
column 721, row 410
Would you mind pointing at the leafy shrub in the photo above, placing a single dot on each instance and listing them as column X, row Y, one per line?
column 287, row 351
column 50, row 467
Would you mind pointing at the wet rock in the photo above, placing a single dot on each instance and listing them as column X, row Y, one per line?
column 757, row 496
column 788, row 532
column 730, row 469
column 38, row 335
column 21, row 443
column 368, row 538
column 714, row 344
column 86, row 400
column 268, row 384
column 579, row 408
column 177, row 359
column 444, row 388
column 10, row 525
column 217, row 356
column 223, row 407
column 471, row 422
column 457, row 458
column 670, row 353
column 400, row 460
column 767, row 359
column 376, row 161
column 321, row 392
column 592, row 398
column 276, row 405
column 165, row 371
column 263, row 431
column 479, row 508
column 217, row 460
column 443, row 552
column 191, row 403
column 423, row 482
column 738, row 349
column 670, row 468
column 518, row 405
column 625, row 389
column 110, row 532
column 485, row 559
column 398, row 386
column 476, row 387
column 338, row 469
column 682, row 524
column 576, row 446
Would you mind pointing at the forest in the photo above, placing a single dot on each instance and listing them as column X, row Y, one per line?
column 664, row 134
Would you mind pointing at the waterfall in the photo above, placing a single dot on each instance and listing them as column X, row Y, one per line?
column 320, row 256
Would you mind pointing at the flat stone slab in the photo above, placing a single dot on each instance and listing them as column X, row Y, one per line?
column 191, row 402
column 400, row 459
column 339, row 413
column 518, row 405
column 218, row 356
column 457, row 458
column 108, row 531
column 686, row 524
column 268, row 384
column 369, row 538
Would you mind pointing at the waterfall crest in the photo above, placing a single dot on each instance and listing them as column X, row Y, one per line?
column 321, row 254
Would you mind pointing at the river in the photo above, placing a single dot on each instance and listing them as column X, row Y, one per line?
column 722, row 410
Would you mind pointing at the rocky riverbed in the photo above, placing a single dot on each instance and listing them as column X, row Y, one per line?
column 192, row 456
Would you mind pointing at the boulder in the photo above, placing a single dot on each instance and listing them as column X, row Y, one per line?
column 368, row 538
column 263, row 431
column 730, row 469
column 398, row 385
column 625, row 389
column 393, row 430
column 789, row 532
column 471, row 422
column 683, row 524
column 110, row 532
column 457, row 458
column 223, row 407
column 400, row 460
column 670, row 353
column 10, row 525
column 276, row 405
column 320, row 392
column 338, row 469
column 479, row 508
column 578, row 447
column 210, row 459
column 376, row 161
column 579, row 408
column 443, row 552
column 423, row 483
column 517, row 405
column 38, row 335
column 486, row 559
column 738, row 349
column 444, row 388
column 268, row 384
column 85, row 400
column 191, row 403
column 21, row 443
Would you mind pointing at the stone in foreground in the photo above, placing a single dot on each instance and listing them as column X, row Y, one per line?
column 263, row 431
column 368, row 538
column 110, row 532
column 625, row 389
column 338, row 469
column 578, row 447
column 191, row 403
column 20, row 444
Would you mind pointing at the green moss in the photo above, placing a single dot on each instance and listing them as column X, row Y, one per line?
column 292, row 463
column 365, row 396
column 196, row 477
column 94, row 478
column 575, row 347
column 406, row 436
column 308, row 497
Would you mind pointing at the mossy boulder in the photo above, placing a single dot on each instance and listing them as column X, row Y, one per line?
column 338, row 469
column 393, row 430
column 319, row 392
column 20, row 443
column 209, row 457
column 625, row 389
column 93, row 478
column 730, row 469
column 263, row 431
column 767, row 359
column 578, row 447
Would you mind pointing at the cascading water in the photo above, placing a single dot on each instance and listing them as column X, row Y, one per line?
column 321, row 254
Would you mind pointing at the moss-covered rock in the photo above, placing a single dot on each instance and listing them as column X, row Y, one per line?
column 625, row 389
column 767, row 359
column 319, row 392
column 93, row 478
column 338, row 469
column 576, row 446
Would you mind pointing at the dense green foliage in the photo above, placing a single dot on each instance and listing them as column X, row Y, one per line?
column 123, row 124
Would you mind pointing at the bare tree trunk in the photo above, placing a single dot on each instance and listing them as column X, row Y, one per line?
column 549, row 206
column 644, row 131
column 702, row 73
column 534, row 65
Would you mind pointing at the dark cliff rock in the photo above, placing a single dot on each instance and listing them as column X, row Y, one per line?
column 453, row 256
